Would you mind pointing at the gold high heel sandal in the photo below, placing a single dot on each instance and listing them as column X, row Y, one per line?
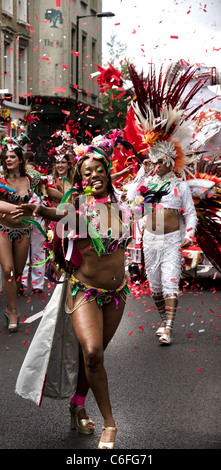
column 108, row 445
column 84, row 425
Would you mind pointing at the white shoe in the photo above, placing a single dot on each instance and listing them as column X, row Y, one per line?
column 160, row 331
column 165, row 339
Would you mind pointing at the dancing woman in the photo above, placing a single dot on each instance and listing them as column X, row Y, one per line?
column 63, row 174
column 97, row 288
column 14, row 235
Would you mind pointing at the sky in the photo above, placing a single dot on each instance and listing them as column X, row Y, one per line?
column 165, row 30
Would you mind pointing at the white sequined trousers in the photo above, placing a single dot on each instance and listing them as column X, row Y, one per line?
column 162, row 256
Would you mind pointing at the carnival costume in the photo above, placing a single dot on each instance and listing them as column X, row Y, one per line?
column 164, row 130
column 34, row 178
column 50, row 367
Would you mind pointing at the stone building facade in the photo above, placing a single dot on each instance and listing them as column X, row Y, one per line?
column 14, row 44
column 43, row 44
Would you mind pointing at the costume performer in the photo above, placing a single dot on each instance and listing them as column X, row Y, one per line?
column 17, row 186
column 63, row 173
column 168, row 226
column 94, row 295
column 164, row 128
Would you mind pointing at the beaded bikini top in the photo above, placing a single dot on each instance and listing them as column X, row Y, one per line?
column 12, row 196
column 107, row 243
column 110, row 244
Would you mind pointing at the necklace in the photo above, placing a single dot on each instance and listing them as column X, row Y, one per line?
column 15, row 175
column 104, row 199
column 61, row 177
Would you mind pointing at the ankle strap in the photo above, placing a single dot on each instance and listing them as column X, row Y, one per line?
column 111, row 428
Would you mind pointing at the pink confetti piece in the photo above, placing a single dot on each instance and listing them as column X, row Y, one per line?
column 76, row 53
column 62, row 90
column 24, row 319
column 119, row 96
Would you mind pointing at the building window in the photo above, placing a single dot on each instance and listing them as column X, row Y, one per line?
column 22, row 10
column 83, row 55
column 73, row 56
column 93, row 62
column 8, row 64
column 7, row 6
column 93, row 6
column 22, row 72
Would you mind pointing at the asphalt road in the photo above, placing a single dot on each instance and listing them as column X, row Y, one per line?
column 162, row 397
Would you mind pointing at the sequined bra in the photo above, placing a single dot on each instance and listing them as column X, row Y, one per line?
column 12, row 196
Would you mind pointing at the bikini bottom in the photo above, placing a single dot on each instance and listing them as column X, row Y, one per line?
column 14, row 232
column 101, row 296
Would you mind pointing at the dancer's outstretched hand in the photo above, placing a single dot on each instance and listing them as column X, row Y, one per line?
column 26, row 210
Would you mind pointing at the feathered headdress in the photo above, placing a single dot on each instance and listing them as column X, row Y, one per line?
column 102, row 147
column 59, row 152
column 161, row 113
column 20, row 125
column 108, row 78
column 15, row 142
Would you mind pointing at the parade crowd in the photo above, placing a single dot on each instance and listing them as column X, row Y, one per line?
column 74, row 226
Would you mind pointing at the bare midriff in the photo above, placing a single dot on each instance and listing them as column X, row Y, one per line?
column 162, row 220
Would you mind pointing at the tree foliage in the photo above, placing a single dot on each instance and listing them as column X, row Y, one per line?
column 116, row 108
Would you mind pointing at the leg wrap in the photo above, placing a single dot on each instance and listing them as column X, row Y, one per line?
column 171, row 302
column 160, row 304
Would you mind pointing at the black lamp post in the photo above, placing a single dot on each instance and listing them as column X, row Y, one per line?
column 107, row 14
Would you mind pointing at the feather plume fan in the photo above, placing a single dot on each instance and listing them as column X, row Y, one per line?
column 208, row 231
column 158, row 103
